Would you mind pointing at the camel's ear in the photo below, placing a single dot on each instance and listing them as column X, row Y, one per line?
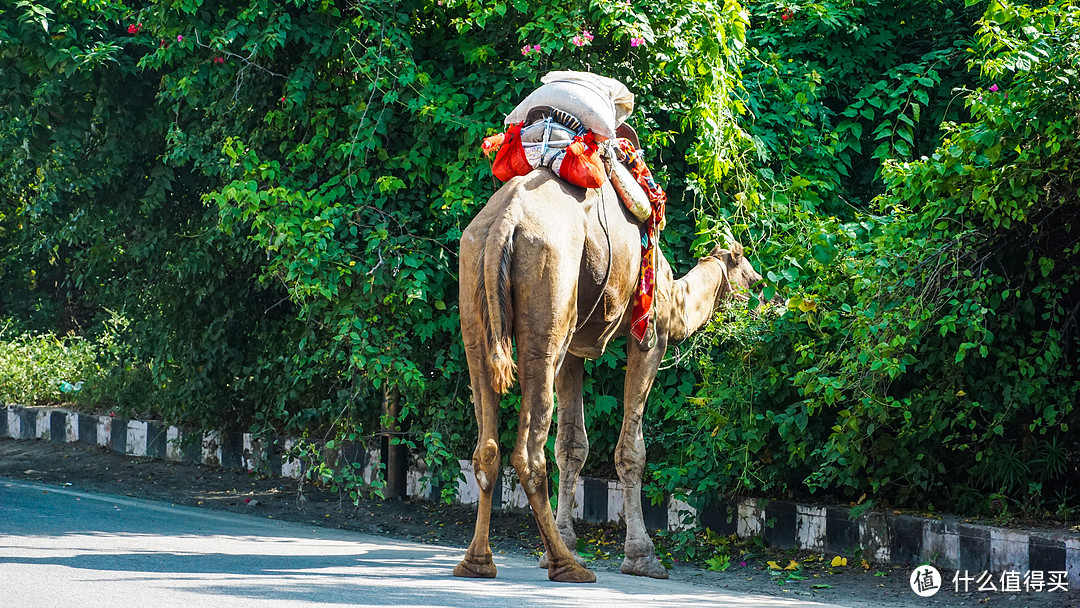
column 736, row 252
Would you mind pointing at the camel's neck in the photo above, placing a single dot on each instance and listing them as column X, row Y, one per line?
column 694, row 298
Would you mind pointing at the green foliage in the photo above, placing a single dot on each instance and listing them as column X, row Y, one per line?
column 44, row 368
column 271, row 193
column 928, row 349
column 258, row 204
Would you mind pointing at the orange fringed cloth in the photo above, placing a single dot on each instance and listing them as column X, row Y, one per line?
column 641, row 314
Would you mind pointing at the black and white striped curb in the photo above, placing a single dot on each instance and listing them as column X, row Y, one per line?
column 880, row 537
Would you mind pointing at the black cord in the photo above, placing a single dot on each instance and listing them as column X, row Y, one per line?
column 607, row 274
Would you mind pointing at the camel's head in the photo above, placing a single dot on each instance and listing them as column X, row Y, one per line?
column 742, row 278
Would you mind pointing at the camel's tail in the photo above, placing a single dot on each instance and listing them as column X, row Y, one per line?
column 493, row 294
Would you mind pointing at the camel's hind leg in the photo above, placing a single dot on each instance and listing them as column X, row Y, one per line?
column 537, row 375
column 571, row 447
column 478, row 562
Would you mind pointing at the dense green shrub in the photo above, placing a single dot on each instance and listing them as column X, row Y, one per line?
column 928, row 353
column 41, row 368
column 271, row 193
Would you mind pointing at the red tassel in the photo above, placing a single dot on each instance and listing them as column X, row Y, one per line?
column 492, row 144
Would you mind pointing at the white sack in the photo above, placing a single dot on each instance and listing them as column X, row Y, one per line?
column 599, row 102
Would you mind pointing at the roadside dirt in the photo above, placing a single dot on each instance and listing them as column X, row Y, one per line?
column 95, row 469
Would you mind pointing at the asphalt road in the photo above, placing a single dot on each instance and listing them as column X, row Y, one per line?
column 65, row 548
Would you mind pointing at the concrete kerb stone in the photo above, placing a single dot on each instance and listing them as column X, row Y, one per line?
column 135, row 439
column 57, row 421
column 43, row 424
column 103, row 432
column 882, row 537
column 28, row 424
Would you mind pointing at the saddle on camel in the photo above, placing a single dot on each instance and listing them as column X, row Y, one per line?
column 560, row 261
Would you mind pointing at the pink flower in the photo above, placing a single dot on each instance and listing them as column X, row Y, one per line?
column 179, row 38
column 993, row 88
column 577, row 41
column 219, row 60
column 637, row 41
column 133, row 29
column 536, row 47
column 587, row 35
column 525, row 49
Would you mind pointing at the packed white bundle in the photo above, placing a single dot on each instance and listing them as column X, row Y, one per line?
column 599, row 102
column 540, row 130
column 545, row 144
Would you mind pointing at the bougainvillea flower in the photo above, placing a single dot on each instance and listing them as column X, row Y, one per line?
column 179, row 38
column 585, row 34
column 133, row 29
column 525, row 49
column 993, row 88
column 637, row 41
column 578, row 41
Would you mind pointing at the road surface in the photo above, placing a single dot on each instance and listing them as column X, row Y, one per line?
column 65, row 548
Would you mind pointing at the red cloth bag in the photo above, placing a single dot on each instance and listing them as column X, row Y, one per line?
column 582, row 165
column 510, row 160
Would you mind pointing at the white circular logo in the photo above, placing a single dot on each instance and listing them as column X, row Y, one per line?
column 925, row 581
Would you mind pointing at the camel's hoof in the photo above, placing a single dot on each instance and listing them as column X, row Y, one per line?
column 644, row 566
column 475, row 569
column 571, row 573
column 544, row 560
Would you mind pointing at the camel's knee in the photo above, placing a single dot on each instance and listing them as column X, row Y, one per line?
column 572, row 453
column 630, row 463
column 531, row 469
column 486, row 463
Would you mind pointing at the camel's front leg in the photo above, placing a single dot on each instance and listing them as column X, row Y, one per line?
column 630, row 460
column 571, row 448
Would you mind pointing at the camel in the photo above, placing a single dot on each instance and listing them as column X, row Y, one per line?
column 554, row 267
